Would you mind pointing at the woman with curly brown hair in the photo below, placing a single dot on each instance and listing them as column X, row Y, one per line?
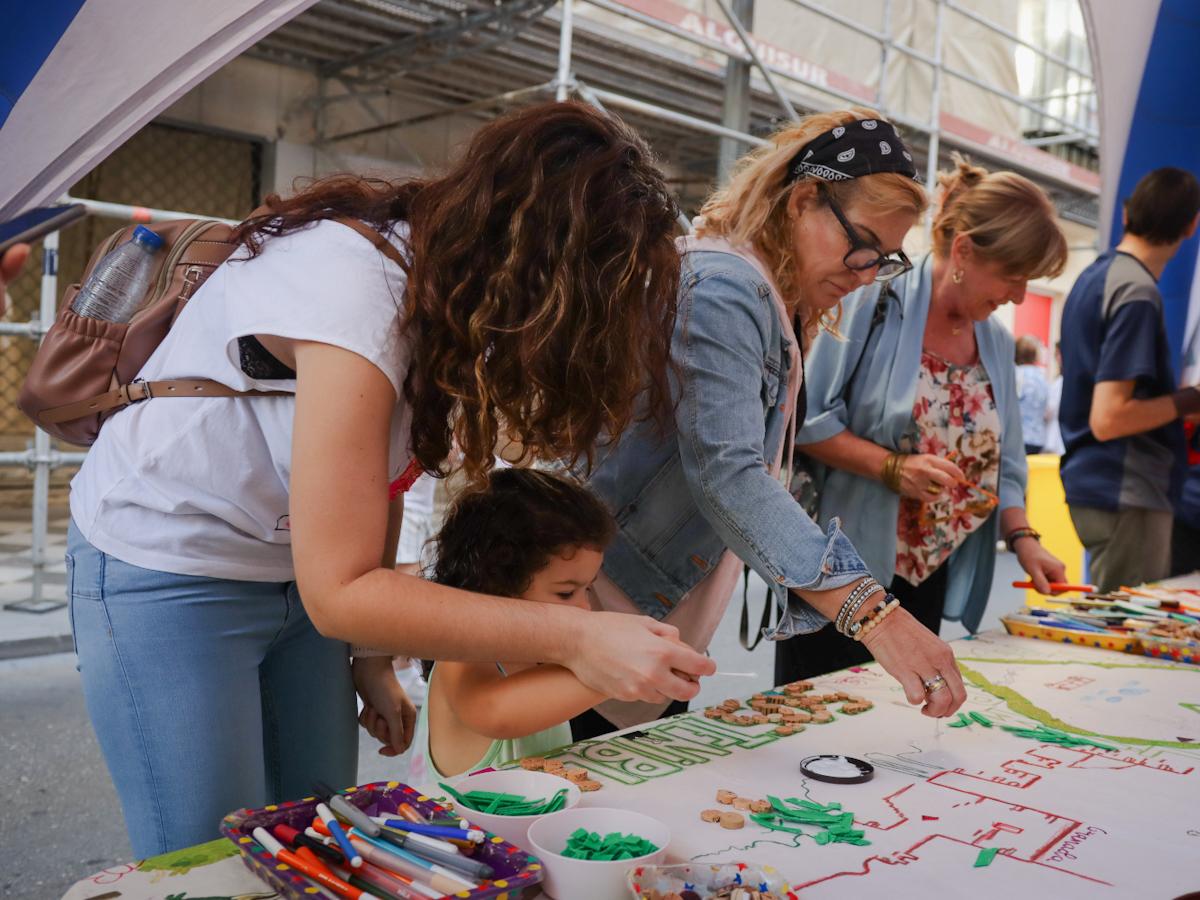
column 523, row 295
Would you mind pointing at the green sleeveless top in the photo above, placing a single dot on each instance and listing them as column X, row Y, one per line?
column 424, row 774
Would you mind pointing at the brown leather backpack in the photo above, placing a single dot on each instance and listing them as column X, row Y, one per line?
column 85, row 369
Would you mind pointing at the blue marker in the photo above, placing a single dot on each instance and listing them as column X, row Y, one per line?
column 474, row 835
column 325, row 814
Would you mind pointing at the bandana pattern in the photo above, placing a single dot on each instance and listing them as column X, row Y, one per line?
column 863, row 147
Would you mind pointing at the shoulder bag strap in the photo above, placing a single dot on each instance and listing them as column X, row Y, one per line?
column 744, row 624
column 386, row 247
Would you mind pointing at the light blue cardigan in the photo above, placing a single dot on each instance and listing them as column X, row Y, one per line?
column 880, row 410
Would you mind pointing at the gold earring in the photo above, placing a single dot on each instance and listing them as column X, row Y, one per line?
column 957, row 277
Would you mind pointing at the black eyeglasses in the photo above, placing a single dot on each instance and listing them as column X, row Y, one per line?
column 862, row 253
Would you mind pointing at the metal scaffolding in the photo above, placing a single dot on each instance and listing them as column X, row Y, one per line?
column 495, row 55
column 477, row 57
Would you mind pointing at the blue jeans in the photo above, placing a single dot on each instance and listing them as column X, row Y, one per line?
column 206, row 695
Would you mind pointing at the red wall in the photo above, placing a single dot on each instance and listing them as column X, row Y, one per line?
column 1033, row 317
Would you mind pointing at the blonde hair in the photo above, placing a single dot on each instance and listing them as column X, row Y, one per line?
column 1008, row 218
column 751, row 210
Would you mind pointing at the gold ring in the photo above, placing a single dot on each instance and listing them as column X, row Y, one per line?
column 933, row 489
column 934, row 684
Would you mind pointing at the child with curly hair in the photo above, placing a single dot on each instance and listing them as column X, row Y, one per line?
column 528, row 534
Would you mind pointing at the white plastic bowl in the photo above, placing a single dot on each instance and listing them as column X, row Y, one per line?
column 585, row 879
column 513, row 829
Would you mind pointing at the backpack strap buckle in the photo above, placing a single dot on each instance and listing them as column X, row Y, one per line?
column 135, row 392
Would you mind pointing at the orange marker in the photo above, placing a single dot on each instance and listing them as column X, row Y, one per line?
column 317, row 872
column 408, row 811
column 1058, row 587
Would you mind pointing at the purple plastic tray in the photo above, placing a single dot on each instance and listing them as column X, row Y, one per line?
column 516, row 869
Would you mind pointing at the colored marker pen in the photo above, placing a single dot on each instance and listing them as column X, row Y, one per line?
column 369, row 879
column 439, row 876
column 353, row 815
column 387, row 884
column 408, row 811
column 437, row 852
column 397, row 860
column 317, row 873
column 419, row 836
column 336, row 832
column 294, row 839
column 475, row 835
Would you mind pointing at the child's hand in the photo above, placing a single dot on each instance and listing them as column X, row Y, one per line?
column 388, row 715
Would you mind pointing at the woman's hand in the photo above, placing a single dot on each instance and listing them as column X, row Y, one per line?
column 912, row 654
column 10, row 266
column 924, row 476
column 388, row 715
column 1041, row 565
column 629, row 657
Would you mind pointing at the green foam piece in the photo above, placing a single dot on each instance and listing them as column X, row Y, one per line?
column 980, row 718
column 985, row 857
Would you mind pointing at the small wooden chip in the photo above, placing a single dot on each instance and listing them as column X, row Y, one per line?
column 822, row 717
column 533, row 763
column 742, row 803
column 760, row 806
column 732, row 820
column 588, row 786
column 726, row 797
column 576, row 775
column 711, row 815
column 784, row 730
column 775, row 717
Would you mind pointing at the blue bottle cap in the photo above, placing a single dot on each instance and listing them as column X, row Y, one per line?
column 147, row 238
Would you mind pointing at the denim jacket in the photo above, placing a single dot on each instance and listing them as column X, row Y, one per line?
column 879, row 409
column 682, row 498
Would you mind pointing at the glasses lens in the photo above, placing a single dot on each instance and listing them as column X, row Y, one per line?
column 862, row 258
column 889, row 269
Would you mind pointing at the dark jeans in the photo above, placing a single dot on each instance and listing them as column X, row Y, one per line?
column 591, row 724
column 1185, row 548
column 1031, row 449
column 824, row 651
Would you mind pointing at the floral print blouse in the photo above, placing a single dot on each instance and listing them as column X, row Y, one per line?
column 954, row 417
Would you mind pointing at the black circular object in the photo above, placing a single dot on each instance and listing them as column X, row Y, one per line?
column 811, row 766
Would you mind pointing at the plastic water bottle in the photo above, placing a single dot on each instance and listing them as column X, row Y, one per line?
column 120, row 280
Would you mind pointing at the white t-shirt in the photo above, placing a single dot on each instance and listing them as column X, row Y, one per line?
column 199, row 486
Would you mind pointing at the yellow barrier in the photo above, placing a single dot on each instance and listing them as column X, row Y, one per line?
column 1046, row 506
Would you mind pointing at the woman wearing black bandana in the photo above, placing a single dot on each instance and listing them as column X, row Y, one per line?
column 818, row 212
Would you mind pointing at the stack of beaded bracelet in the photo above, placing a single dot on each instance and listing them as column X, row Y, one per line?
column 863, row 591
column 871, row 620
